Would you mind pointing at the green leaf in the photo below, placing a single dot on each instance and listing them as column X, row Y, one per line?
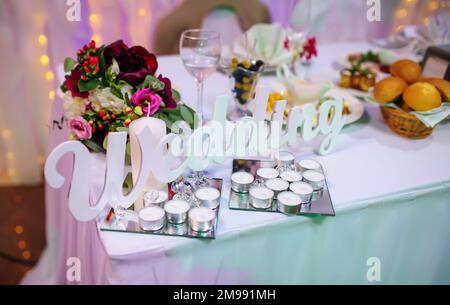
column 120, row 129
column 93, row 146
column 176, row 95
column 187, row 114
column 105, row 143
column 69, row 64
column 88, row 85
column 152, row 83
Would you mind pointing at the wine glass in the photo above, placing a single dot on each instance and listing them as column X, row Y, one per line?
column 200, row 52
column 301, row 23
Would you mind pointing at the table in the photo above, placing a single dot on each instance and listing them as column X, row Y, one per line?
column 392, row 202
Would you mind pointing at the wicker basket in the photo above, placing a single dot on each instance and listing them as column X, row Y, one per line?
column 405, row 124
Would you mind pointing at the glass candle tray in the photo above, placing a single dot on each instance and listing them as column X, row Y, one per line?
column 131, row 222
column 320, row 205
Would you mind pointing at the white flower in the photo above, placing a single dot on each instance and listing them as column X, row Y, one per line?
column 73, row 106
column 104, row 99
column 115, row 69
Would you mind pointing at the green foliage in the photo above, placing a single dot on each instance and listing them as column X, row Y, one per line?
column 69, row 64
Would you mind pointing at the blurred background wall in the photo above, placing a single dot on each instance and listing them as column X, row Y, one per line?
column 36, row 36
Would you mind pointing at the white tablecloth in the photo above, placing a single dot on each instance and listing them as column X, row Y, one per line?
column 391, row 196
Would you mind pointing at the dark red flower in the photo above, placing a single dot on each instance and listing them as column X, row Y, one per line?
column 135, row 63
column 166, row 94
column 72, row 83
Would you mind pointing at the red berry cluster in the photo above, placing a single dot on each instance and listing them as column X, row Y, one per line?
column 88, row 57
column 309, row 49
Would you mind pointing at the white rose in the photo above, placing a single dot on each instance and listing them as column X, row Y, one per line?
column 73, row 106
column 104, row 99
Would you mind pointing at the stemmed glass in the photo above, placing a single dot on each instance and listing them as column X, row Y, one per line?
column 301, row 25
column 200, row 52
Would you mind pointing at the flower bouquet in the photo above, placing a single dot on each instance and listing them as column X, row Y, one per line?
column 108, row 87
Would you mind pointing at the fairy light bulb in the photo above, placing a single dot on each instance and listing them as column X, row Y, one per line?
column 44, row 59
column 94, row 18
column 51, row 95
column 42, row 39
column 49, row 75
column 142, row 12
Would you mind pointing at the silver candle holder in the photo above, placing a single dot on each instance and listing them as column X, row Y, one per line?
column 277, row 185
column 309, row 164
column 291, row 176
column 208, row 197
column 151, row 218
column 241, row 181
column 302, row 189
column 316, row 179
column 267, row 173
column 289, row 203
column 176, row 211
column 201, row 219
column 261, row 197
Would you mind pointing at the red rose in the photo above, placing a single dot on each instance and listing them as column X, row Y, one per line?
column 135, row 63
column 72, row 83
column 166, row 94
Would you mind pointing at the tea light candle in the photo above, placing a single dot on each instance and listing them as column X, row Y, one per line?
column 241, row 181
column 151, row 218
column 289, row 203
column 316, row 179
column 209, row 197
column 201, row 219
column 267, row 173
column 155, row 197
column 261, row 197
column 176, row 211
column 291, row 176
column 277, row 185
column 309, row 164
column 303, row 189
column 285, row 158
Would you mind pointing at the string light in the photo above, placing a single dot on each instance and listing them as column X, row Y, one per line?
column 49, row 75
column 44, row 59
column 26, row 254
column 22, row 244
column 52, row 95
column 42, row 39
column 93, row 18
column 142, row 12
column 9, row 156
column 6, row 134
column 19, row 229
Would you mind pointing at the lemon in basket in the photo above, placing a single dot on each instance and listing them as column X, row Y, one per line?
column 422, row 96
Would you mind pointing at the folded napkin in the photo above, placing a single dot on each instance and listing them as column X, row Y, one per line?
column 265, row 42
column 429, row 118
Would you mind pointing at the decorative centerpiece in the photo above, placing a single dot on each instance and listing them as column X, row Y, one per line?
column 411, row 104
column 109, row 87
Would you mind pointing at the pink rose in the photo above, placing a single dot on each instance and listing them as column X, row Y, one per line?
column 81, row 128
column 148, row 100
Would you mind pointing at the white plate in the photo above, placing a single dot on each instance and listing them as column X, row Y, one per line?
column 355, row 105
